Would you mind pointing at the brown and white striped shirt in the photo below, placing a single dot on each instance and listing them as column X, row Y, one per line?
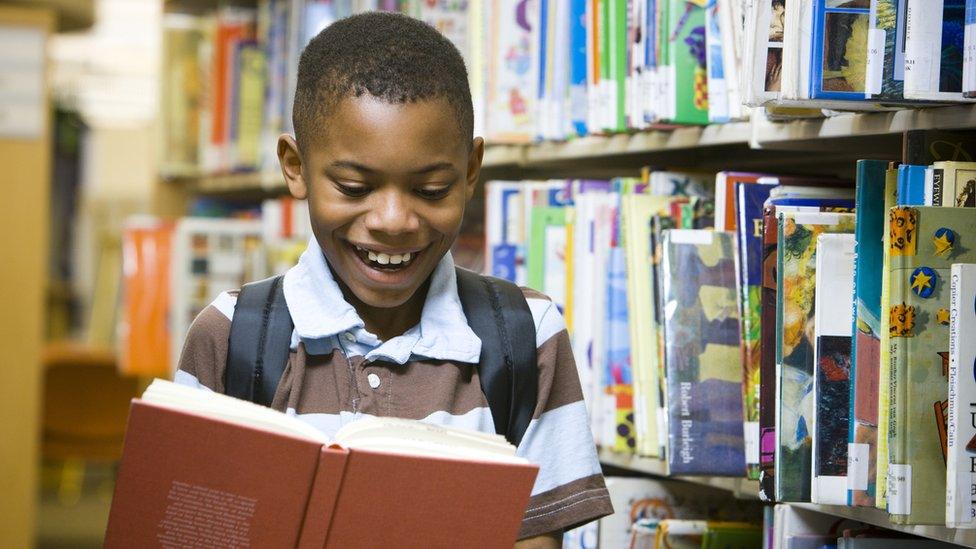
column 338, row 372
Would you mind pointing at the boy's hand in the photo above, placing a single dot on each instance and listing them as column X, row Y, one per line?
column 545, row 541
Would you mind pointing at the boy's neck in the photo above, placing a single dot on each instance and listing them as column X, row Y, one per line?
column 388, row 322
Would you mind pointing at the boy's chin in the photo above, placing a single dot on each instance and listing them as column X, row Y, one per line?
column 383, row 298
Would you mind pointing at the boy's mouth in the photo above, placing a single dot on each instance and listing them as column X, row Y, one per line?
column 382, row 261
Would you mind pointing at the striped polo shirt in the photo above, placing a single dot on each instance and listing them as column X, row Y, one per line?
column 338, row 372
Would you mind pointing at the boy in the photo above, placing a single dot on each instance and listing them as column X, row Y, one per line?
column 385, row 155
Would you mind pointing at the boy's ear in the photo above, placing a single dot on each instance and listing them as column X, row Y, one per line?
column 474, row 165
column 291, row 167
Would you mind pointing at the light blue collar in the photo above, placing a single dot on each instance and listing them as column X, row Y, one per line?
column 320, row 312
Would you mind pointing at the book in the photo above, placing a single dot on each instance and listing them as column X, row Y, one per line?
column 687, row 60
column 795, row 294
column 832, row 367
column 767, row 356
column 171, row 489
column 839, row 47
column 702, row 361
column 934, row 41
column 924, row 243
column 885, row 78
column 911, row 185
column 957, row 184
column 511, row 72
column 546, row 260
column 869, row 229
column 924, row 147
column 763, row 61
column 143, row 332
column 960, row 477
column 749, row 201
column 637, row 213
column 884, row 367
column 725, row 195
column 969, row 51
column 618, row 422
column 718, row 90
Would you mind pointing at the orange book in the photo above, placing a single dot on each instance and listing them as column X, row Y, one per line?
column 188, row 478
column 143, row 330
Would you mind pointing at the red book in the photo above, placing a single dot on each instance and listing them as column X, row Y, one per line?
column 190, row 480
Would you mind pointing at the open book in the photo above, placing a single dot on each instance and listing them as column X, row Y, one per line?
column 379, row 434
column 204, row 469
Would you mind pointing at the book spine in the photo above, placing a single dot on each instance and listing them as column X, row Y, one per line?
column 937, row 187
column 969, row 52
column 900, row 326
column 767, row 374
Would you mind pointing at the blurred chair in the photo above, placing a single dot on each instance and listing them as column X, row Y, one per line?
column 85, row 408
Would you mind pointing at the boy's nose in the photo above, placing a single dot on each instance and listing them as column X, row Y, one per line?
column 392, row 213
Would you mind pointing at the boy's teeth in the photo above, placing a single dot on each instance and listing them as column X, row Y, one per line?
column 372, row 256
column 396, row 259
column 382, row 259
column 386, row 259
column 406, row 257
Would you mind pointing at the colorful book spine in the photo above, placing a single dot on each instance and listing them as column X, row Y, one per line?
column 924, row 242
column 749, row 206
column 796, row 290
column 718, row 93
column 884, row 368
column 618, row 374
column 832, row 367
column 577, row 67
column 885, row 70
column 688, row 54
column 961, row 474
column 704, row 380
column 869, row 231
column 911, row 185
column 767, row 357
column 934, row 44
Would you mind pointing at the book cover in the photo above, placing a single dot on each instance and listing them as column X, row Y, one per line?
column 795, row 293
column 702, row 360
column 718, row 93
column 725, row 195
column 934, row 42
column 173, row 490
column 958, row 184
column 618, row 373
column 680, row 183
column 961, row 477
column 767, row 356
column 924, row 242
column 869, row 229
column 886, row 50
column 839, row 49
column 577, row 68
column 832, row 367
column 749, row 207
column 686, row 37
column 884, row 368
column 911, row 185
column 512, row 74
column 143, row 331
column 617, row 70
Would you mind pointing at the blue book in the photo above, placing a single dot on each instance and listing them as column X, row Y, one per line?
column 617, row 367
column 911, row 185
column 541, row 83
column 869, row 228
column 577, row 66
column 839, row 62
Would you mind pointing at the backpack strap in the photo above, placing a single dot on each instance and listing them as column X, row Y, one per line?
column 260, row 340
column 500, row 316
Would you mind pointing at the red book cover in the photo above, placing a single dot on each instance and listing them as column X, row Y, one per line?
column 189, row 480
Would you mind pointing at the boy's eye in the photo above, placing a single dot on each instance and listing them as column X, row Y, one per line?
column 352, row 189
column 434, row 193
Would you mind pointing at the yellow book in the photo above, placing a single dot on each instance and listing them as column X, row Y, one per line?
column 884, row 396
column 637, row 210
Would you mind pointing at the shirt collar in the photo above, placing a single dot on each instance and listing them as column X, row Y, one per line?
column 319, row 311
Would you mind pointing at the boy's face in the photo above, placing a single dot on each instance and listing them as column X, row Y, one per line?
column 387, row 185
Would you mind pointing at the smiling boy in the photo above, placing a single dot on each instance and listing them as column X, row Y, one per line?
column 385, row 155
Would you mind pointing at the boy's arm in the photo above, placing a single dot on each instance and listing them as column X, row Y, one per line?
column 569, row 490
column 204, row 355
column 551, row 540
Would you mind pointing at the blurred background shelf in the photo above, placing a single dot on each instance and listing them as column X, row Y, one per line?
column 739, row 487
column 878, row 517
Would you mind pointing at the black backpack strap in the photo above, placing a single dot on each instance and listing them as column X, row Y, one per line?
column 499, row 315
column 260, row 340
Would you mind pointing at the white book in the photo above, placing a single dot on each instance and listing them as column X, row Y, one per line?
column 718, row 92
column 833, row 323
column 762, row 63
column 961, row 458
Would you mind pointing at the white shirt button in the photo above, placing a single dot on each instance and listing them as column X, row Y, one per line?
column 349, row 336
column 373, row 380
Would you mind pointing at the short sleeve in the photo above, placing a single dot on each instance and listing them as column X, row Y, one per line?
column 569, row 490
column 204, row 355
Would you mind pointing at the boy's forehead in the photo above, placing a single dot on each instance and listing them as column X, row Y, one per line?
column 365, row 122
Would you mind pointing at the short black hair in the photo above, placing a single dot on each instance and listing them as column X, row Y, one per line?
column 390, row 56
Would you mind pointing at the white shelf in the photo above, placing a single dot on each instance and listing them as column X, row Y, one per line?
column 749, row 489
column 740, row 487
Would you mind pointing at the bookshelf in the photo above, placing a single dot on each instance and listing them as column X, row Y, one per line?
column 741, row 488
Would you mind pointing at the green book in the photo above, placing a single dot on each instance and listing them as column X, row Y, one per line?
column 686, row 54
column 547, row 259
column 924, row 242
column 881, row 457
column 796, row 263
